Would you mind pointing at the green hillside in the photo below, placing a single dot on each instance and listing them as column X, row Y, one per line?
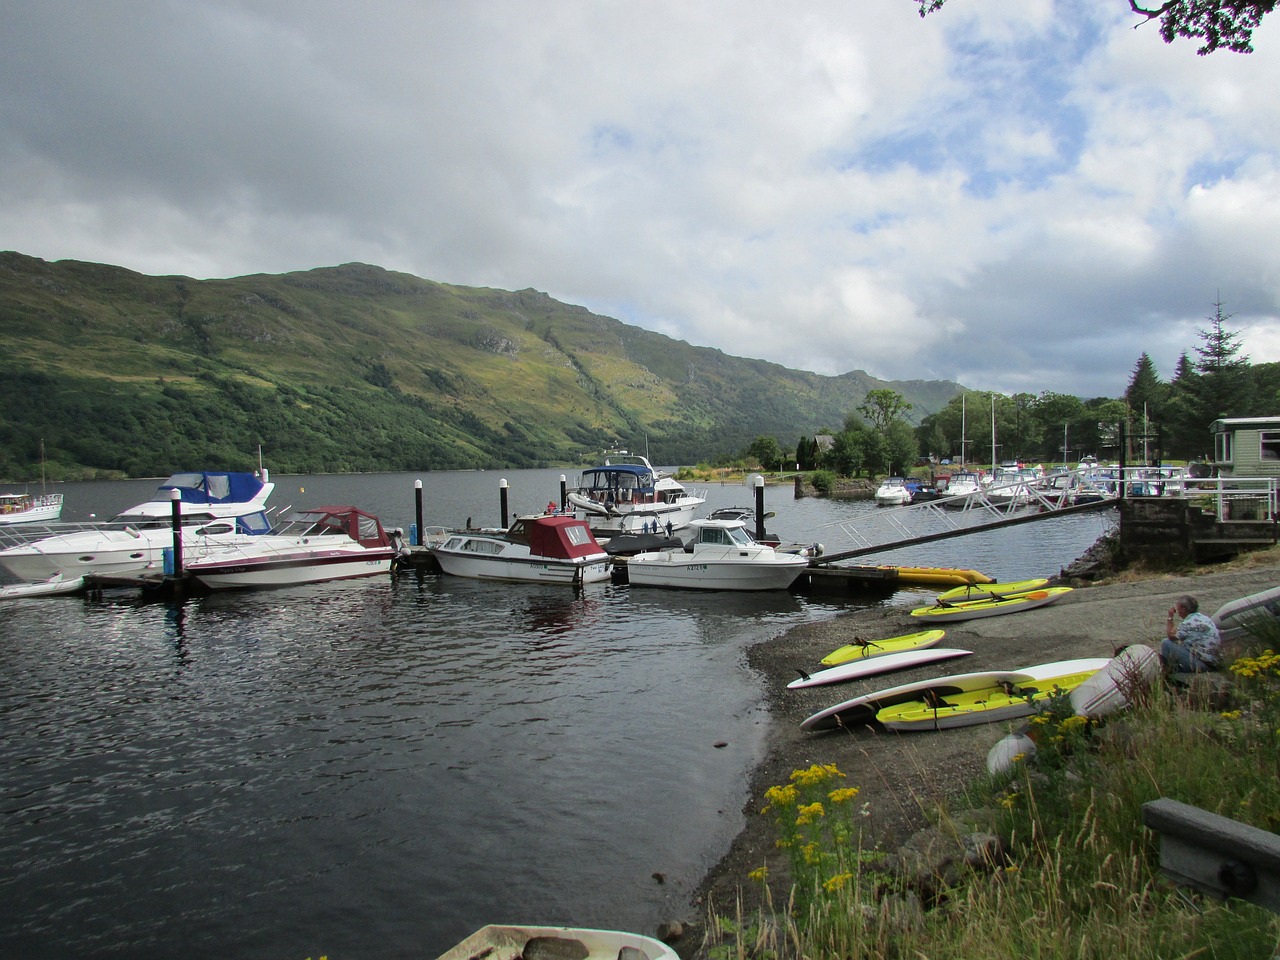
column 356, row 368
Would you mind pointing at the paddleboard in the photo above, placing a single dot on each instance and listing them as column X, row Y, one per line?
column 870, row 666
column 863, row 649
column 985, row 591
column 1233, row 617
column 990, row 607
column 861, row 710
column 1112, row 688
column 1000, row 701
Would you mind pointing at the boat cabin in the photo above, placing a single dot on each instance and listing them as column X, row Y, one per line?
column 1246, row 446
column 559, row 537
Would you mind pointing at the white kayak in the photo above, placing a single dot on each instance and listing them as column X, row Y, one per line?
column 884, row 663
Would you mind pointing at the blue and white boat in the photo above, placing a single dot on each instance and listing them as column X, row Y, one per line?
column 218, row 508
column 628, row 495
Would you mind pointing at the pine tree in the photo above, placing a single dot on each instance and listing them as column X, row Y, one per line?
column 1222, row 388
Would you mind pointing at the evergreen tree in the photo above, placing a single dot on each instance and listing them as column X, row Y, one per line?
column 1221, row 390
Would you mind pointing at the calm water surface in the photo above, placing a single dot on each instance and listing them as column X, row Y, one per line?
column 376, row 768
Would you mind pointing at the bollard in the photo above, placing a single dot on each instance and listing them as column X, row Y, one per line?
column 416, row 540
column 176, row 495
column 564, row 494
column 502, row 500
column 760, row 509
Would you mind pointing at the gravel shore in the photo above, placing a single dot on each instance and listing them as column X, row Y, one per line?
column 903, row 775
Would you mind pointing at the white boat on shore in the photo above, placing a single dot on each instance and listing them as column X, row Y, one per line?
column 718, row 555
column 629, row 495
column 310, row 546
column 511, row 942
column 30, row 508
column 551, row 548
column 217, row 508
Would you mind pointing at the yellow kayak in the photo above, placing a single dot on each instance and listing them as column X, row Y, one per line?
column 1000, row 701
column 983, row 591
column 945, row 612
column 862, row 649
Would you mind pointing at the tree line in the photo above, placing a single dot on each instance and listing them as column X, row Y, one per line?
column 1154, row 419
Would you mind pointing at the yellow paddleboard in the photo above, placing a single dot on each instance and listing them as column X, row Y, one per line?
column 983, row 591
column 861, row 649
column 945, row 612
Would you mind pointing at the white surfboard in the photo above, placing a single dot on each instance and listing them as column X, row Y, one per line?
column 869, row 667
column 861, row 710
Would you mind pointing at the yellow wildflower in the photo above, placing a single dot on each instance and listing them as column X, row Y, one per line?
column 759, row 874
column 837, row 882
column 1230, row 715
column 811, row 853
column 816, row 774
column 809, row 813
column 843, row 794
column 779, row 797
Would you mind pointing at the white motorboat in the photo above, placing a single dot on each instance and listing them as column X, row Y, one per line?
column 894, row 492
column 216, row 508
column 961, row 487
column 539, row 549
column 719, row 555
column 26, row 508
column 628, row 495
column 310, row 546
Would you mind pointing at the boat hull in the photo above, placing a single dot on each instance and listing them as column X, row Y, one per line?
column 291, row 570
column 681, row 571
column 501, row 941
column 108, row 553
column 521, row 569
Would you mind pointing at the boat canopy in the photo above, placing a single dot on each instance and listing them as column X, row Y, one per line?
column 618, row 482
column 211, row 487
column 362, row 527
column 565, row 538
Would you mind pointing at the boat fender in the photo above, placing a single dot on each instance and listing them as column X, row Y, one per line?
column 133, row 532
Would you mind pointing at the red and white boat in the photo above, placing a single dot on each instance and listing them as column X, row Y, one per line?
column 310, row 546
column 541, row 549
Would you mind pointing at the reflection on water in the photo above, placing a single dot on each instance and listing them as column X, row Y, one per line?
column 375, row 768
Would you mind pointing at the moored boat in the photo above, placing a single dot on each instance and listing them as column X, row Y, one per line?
column 217, row 508
column 894, row 492
column 627, row 494
column 30, row 508
column 309, row 546
column 537, row 549
column 718, row 555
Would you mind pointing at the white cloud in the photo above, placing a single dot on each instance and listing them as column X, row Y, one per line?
column 1011, row 193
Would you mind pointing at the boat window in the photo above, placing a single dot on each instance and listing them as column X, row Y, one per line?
column 714, row 535
column 577, row 535
column 368, row 528
column 254, row 523
column 214, row 529
column 740, row 536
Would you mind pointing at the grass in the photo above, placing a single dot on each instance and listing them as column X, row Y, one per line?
column 1077, row 876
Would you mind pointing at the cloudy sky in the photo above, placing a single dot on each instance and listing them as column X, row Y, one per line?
column 1020, row 195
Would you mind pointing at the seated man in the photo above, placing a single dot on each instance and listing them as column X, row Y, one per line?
column 1194, row 645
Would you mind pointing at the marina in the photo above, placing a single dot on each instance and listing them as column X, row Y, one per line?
column 379, row 767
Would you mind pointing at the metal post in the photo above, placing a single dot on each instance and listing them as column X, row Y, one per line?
column 760, row 508
column 417, row 500
column 502, row 500
column 176, row 496
column 564, row 494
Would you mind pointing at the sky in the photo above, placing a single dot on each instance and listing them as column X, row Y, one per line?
column 1017, row 195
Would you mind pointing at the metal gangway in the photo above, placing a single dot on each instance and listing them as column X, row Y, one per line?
column 999, row 505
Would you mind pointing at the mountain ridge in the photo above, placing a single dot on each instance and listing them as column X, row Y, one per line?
column 355, row 367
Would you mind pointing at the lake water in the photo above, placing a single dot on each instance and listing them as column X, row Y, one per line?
column 375, row 768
